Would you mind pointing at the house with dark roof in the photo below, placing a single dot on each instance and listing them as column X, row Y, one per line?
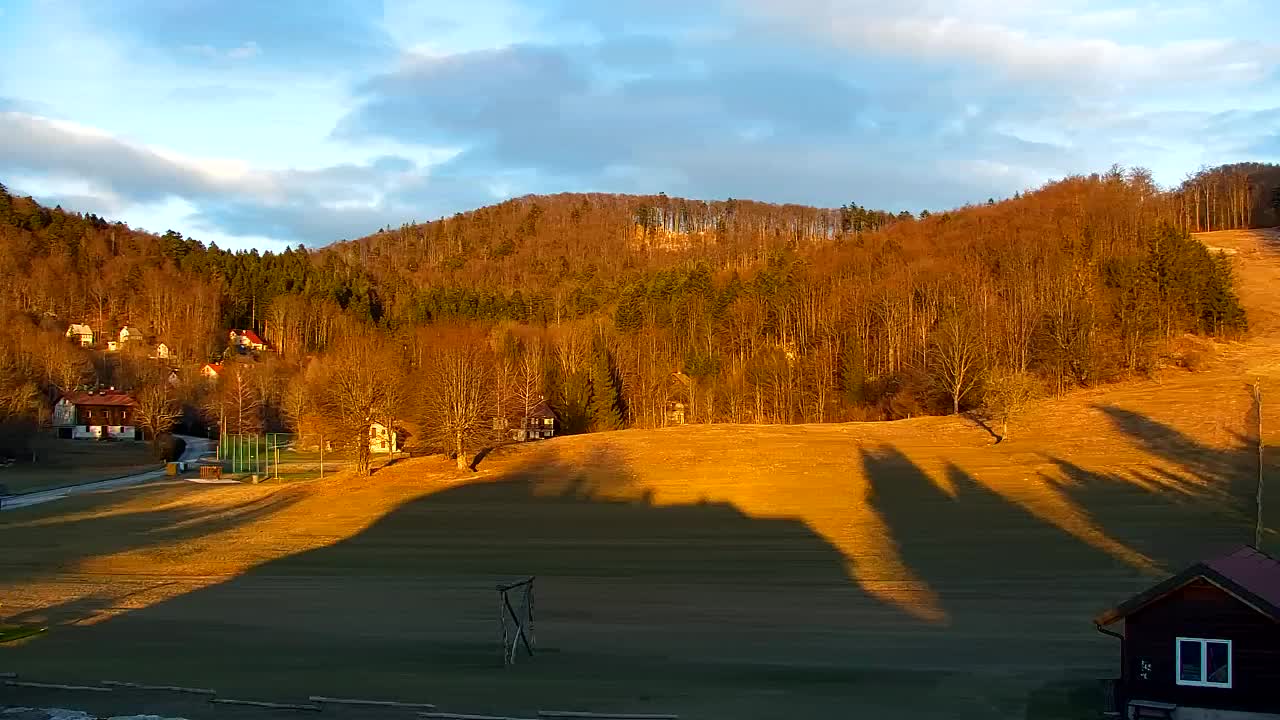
column 1204, row 643
column 96, row 414
column 539, row 424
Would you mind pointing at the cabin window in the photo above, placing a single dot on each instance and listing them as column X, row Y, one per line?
column 1204, row 663
column 548, row 421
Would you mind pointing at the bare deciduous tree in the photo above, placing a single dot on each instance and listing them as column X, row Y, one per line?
column 358, row 385
column 956, row 358
column 529, row 374
column 156, row 408
column 457, row 410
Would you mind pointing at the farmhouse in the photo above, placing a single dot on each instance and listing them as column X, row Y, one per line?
column 211, row 371
column 162, row 352
column 81, row 334
column 246, row 340
column 1204, row 643
column 130, row 334
column 539, row 424
column 94, row 415
column 382, row 440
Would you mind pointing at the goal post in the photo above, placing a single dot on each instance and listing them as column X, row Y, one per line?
column 515, row 618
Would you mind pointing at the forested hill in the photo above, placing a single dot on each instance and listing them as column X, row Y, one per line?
column 766, row 313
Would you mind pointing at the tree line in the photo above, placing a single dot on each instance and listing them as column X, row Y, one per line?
column 616, row 309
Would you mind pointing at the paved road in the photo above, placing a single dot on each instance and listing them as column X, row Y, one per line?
column 195, row 448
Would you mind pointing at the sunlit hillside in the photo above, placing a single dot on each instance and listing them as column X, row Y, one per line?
column 678, row 567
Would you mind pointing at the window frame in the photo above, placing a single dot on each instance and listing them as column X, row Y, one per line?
column 1204, row 662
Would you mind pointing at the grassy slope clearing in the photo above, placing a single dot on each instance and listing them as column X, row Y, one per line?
column 74, row 462
column 908, row 569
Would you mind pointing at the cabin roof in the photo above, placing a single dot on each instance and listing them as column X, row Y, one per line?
column 542, row 410
column 1249, row 574
column 111, row 399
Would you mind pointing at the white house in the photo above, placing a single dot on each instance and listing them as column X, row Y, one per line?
column 162, row 352
column 81, row 334
column 130, row 334
column 246, row 340
column 381, row 440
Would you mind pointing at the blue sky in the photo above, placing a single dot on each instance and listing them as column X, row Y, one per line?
column 260, row 124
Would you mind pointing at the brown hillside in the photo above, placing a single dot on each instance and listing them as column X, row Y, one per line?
column 718, row 571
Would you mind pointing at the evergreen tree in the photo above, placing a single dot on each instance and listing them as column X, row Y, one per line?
column 853, row 373
column 572, row 404
column 606, row 412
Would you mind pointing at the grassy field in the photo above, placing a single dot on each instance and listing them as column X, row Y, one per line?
column 73, row 462
column 906, row 570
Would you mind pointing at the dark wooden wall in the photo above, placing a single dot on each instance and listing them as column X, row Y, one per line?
column 1202, row 610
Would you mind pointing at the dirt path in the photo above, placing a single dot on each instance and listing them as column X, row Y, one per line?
column 194, row 449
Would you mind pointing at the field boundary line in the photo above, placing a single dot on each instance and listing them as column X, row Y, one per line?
column 56, row 686
column 565, row 714
column 163, row 688
column 264, row 704
column 377, row 703
column 466, row 716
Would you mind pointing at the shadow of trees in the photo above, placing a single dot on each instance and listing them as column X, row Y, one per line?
column 642, row 606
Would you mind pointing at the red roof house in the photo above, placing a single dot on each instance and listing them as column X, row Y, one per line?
column 247, row 339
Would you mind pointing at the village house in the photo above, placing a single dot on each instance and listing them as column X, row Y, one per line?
column 540, row 424
column 382, row 440
column 96, row 415
column 246, row 340
column 674, row 413
column 679, row 388
column 161, row 353
column 130, row 334
column 211, row 371
column 1204, row 643
column 81, row 334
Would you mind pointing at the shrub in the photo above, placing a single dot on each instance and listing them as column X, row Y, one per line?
column 171, row 447
column 1195, row 359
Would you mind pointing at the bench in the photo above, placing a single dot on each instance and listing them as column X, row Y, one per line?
column 1152, row 709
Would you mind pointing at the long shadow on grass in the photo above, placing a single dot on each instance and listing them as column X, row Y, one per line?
column 1012, row 584
column 1210, row 496
column 48, row 540
column 638, row 607
column 1228, row 475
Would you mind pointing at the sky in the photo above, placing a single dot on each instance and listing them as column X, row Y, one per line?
column 265, row 124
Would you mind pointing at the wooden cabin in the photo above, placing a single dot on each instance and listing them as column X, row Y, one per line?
column 540, row 424
column 1204, row 643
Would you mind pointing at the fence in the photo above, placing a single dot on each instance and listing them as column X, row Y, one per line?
column 254, row 454
column 279, row 456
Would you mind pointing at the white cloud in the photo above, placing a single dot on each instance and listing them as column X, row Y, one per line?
column 242, row 52
column 1015, row 43
column 57, row 159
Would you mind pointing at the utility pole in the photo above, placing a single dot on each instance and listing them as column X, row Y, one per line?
column 1257, row 404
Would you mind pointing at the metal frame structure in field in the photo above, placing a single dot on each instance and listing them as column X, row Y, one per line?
column 516, row 619
column 255, row 453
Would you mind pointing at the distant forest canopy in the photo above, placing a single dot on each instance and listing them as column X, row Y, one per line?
column 741, row 311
